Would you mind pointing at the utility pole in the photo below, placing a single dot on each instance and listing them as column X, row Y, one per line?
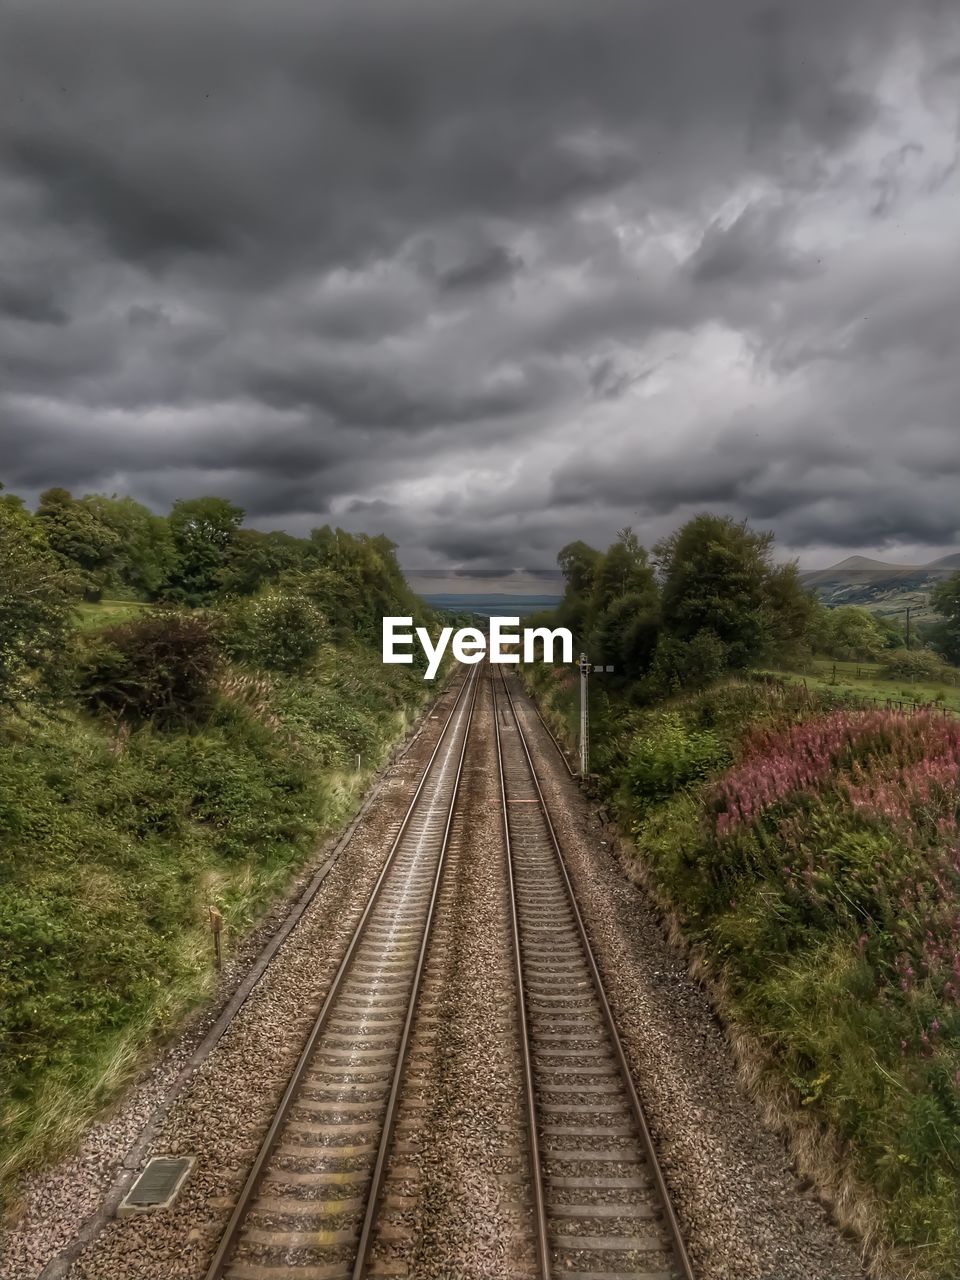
column 908, row 626
column 584, row 717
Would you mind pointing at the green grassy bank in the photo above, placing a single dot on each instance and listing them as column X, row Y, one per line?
column 865, row 680
column 113, row 844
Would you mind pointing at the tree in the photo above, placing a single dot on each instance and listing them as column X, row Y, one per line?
column 255, row 559
column 75, row 532
column 356, row 582
column 853, row 635
column 146, row 554
column 718, row 576
column 203, row 531
column 578, row 563
column 624, row 607
column 945, row 598
column 37, row 594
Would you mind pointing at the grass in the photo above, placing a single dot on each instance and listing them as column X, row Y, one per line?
column 112, row 847
column 863, row 680
column 107, row 613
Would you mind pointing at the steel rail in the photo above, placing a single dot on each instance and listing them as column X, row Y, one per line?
column 536, row 1169
column 673, row 1225
column 231, row 1233
column 383, row 1150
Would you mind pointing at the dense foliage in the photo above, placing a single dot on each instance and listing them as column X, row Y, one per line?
column 946, row 635
column 161, row 667
column 710, row 599
column 200, row 554
column 36, row 595
column 188, row 754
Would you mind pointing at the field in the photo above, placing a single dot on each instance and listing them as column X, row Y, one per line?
column 106, row 613
column 863, row 680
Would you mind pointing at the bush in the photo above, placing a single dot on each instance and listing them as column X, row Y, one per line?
column 821, row 873
column 670, row 757
column 161, row 666
column 281, row 631
column 920, row 664
column 680, row 664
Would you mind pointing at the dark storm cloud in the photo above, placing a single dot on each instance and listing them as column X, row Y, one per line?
column 491, row 277
column 750, row 250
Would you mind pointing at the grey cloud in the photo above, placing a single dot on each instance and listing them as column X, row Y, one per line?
column 750, row 250
column 457, row 269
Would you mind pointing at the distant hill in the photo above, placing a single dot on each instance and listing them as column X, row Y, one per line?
column 883, row 588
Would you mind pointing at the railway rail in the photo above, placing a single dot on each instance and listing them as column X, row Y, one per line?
column 306, row 1209
column 601, row 1204
column 595, row 1195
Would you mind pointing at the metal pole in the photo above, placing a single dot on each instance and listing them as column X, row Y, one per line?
column 584, row 722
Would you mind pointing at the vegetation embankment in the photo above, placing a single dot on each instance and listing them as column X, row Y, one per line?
column 170, row 760
column 809, row 848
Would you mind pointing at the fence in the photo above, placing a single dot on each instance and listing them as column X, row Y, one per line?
column 849, row 697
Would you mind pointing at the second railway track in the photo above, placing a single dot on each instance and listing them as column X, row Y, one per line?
column 601, row 1205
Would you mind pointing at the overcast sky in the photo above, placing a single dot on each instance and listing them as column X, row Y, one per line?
column 488, row 277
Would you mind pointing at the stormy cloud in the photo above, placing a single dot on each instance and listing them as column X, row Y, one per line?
column 489, row 278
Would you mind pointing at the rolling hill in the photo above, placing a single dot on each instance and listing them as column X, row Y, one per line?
column 881, row 587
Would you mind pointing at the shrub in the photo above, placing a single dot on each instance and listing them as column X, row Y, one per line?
column 920, row 664
column 161, row 666
column 680, row 664
column 280, row 630
column 670, row 757
column 821, row 872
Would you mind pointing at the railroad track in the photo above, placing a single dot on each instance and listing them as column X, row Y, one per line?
column 312, row 1204
column 601, row 1206
column 306, row 1210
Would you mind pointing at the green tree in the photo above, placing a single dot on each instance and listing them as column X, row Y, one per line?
column 255, row 559
column 578, row 563
column 37, row 595
column 945, row 598
column 853, row 635
column 624, row 607
column 146, row 555
column 203, row 531
column 75, row 532
column 718, row 577
column 356, row 581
